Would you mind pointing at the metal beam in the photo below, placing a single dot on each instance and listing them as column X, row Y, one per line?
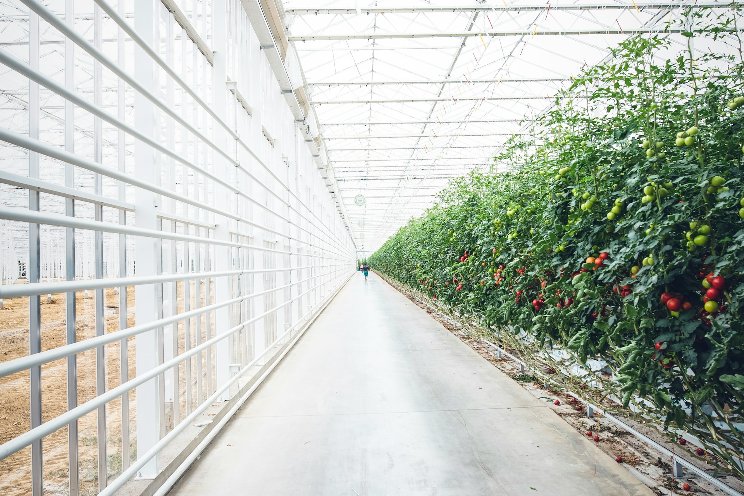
column 492, row 34
column 446, row 81
column 405, row 159
column 417, row 136
column 409, row 148
column 361, row 168
column 437, row 99
column 417, row 123
column 396, row 178
column 502, row 8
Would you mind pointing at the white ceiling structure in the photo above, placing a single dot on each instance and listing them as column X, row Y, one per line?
column 409, row 94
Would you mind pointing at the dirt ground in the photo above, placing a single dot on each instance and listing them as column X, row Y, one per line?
column 642, row 461
column 15, row 475
column 14, row 391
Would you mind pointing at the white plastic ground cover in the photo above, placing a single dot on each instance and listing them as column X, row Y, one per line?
column 409, row 94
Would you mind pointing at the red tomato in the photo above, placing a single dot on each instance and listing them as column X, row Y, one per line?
column 674, row 304
column 604, row 255
column 713, row 294
column 686, row 306
column 665, row 297
column 718, row 282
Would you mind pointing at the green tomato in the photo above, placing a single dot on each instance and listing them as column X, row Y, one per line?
column 711, row 306
column 668, row 185
column 659, row 144
column 700, row 240
column 610, row 216
column 646, row 143
column 564, row 170
column 634, row 270
column 617, row 210
column 689, row 141
column 650, row 153
column 674, row 313
column 688, row 236
column 649, row 190
column 694, row 225
column 741, row 202
column 679, row 142
column 692, row 131
column 619, row 202
column 681, row 134
column 717, row 181
column 663, row 192
column 584, row 206
column 704, row 229
column 585, row 196
column 647, row 199
column 741, row 212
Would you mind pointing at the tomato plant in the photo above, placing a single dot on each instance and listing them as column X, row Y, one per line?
column 578, row 240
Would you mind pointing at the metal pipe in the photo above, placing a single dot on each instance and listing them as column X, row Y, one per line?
column 511, row 8
column 487, row 34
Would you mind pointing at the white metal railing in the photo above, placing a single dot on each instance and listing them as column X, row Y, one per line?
column 135, row 171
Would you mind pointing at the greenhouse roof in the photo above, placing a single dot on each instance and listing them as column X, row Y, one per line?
column 408, row 95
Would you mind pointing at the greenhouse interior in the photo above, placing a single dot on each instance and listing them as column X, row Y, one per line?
column 371, row 247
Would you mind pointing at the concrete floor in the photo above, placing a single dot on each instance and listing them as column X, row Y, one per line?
column 380, row 399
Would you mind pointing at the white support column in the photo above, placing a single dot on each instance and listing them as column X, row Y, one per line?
column 223, row 167
column 259, row 302
column 98, row 250
column 146, row 253
column 33, row 269
column 123, row 308
column 170, row 294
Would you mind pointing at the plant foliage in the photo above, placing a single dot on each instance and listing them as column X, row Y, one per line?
column 639, row 165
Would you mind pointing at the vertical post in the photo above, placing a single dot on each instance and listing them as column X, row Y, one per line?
column 34, row 253
column 99, row 305
column 146, row 254
column 70, row 259
column 170, row 300
column 223, row 167
column 123, row 310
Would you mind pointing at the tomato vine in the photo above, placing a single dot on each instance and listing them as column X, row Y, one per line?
column 606, row 234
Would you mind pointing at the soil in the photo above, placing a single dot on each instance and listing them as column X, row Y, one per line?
column 15, row 470
column 15, row 476
column 647, row 464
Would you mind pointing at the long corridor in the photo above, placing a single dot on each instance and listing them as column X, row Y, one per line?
column 379, row 399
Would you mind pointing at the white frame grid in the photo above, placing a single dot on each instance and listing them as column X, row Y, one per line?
column 165, row 162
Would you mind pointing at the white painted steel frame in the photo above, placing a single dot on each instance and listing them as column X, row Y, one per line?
column 512, row 7
column 242, row 231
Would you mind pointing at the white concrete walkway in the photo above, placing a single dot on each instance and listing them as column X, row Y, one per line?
column 379, row 399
